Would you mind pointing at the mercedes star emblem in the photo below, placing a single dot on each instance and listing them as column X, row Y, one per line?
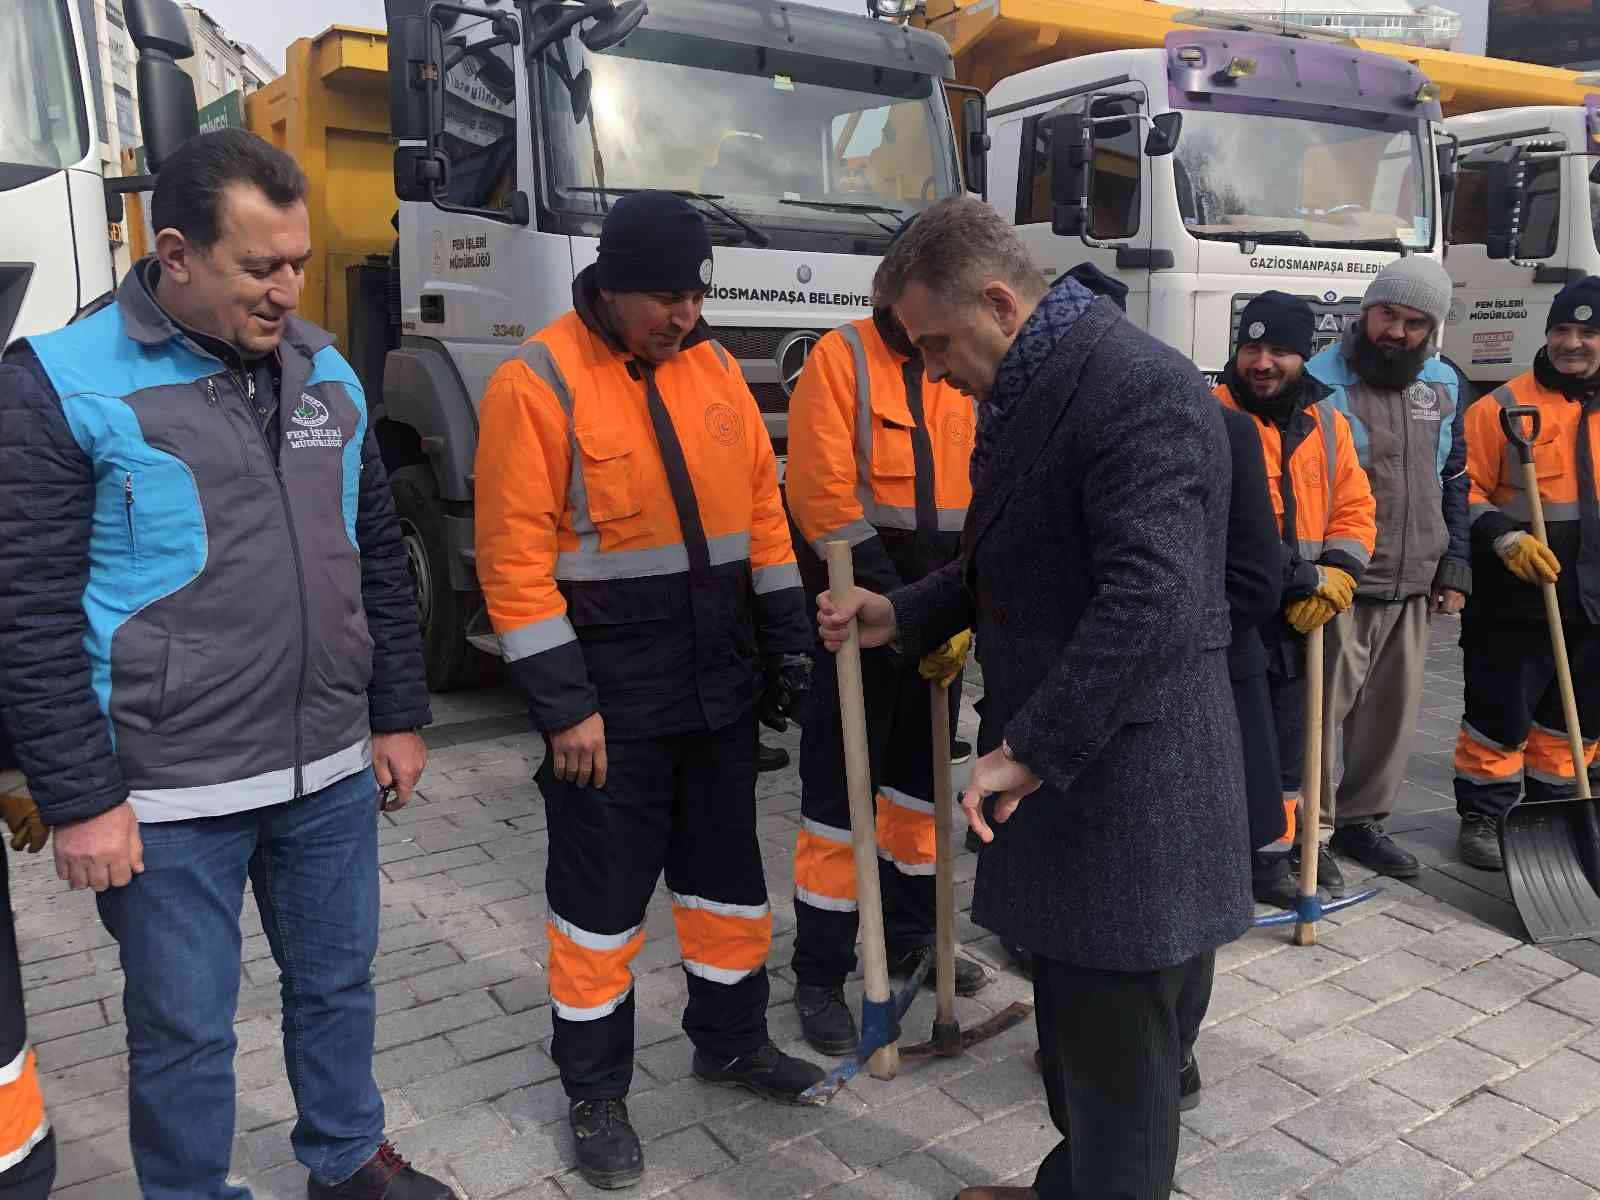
column 791, row 357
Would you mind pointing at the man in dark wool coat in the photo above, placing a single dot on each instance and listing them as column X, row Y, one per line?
column 1092, row 573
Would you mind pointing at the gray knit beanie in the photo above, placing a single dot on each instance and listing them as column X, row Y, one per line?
column 1416, row 282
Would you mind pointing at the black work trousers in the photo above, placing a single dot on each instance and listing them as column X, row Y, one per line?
column 31, row 1178
column 1112, row 1054
column 900, row 744
column 685, row 803
column 1513, row 740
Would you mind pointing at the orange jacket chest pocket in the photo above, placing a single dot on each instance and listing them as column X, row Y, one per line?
column 610, row 473
column 1549, row 459
column 893, row 457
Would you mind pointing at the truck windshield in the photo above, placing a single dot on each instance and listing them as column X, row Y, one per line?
column 1308, row 182
column 787, row 141
column 41, row 109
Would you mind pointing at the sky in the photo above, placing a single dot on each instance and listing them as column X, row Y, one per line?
column 270, row 27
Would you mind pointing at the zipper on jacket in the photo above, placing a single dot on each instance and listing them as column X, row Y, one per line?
column 127, row 508
column 215, row 402
column 300, row 576
column 1405, row 475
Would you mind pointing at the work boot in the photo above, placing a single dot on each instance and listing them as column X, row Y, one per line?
column 1189, row 1086
column 1329, row 878
column 1479, row 842
column 960, row 751
column 770, row 758
column 608, row 1149
column 1272, row 882
column 385, row 1176
column 768, row 1072
column 825, row 1019
column 971, row 978
column 1374, row 849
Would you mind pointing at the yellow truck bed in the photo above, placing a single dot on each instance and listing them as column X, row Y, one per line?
column 992, row 39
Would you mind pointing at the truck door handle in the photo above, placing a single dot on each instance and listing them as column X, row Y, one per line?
column 432, row 309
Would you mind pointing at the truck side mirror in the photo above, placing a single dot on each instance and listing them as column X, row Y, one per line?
column 1163, row 136
column 1504, row 199
column 1070, row 155
column 167, row 111
column 611, row 29
column 410, row 61
column 975, row 144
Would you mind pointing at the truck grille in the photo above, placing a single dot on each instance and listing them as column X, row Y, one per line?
column 750, row 341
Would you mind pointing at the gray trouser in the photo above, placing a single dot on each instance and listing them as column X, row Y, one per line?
column 1372, row 692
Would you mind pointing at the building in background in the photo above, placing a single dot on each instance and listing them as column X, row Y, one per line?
column 221, row 66
column 115, row 95
column 1553, row 33
column 1383, row 20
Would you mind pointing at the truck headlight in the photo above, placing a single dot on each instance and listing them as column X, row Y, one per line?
column 1426, row 93
column 1239, row 68
column 893, row 9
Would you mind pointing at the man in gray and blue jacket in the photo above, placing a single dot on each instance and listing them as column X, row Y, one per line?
column 210, row 664
column 1405, row 410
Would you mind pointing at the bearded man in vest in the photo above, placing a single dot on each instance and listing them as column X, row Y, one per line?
column 1405, row 410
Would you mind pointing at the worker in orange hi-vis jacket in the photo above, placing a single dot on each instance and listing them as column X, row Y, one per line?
column 27, row 1147
column 1513, row 742
column 879, row 456
column 635, row 557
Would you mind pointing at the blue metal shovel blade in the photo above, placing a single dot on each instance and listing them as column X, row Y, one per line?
column 1310, row 910
column 880, row 1025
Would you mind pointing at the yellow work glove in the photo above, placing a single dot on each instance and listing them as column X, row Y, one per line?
column 1311, row 613
column 944, row 665
column 1526, row 557
column 21, row 814
column 1337, row 587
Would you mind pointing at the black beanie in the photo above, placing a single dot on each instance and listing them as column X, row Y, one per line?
column 1098, row 282
column 1576, row 304
column 1279, row 319
column 654, row 242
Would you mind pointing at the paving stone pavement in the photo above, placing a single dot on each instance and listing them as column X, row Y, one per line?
column 1419, row 1051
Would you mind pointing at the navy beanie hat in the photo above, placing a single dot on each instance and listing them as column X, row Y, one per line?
column 1279, row 319
column 1576, row 304
column 654, row 242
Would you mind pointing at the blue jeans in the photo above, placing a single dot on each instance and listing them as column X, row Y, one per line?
column 314, row 866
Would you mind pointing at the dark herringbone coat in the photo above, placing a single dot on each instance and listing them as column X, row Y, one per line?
column 1094, row 577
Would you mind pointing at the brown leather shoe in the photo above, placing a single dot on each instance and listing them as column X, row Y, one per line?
column 997, row 1193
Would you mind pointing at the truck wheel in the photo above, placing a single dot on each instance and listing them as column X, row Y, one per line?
column 442, row 611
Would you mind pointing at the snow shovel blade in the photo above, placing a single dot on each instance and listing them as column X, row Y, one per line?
column 1552, row 856
column 875, row 1035
column 950, row 1041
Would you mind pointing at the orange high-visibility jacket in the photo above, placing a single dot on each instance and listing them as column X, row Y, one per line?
column 878, row 456
column 645, row 577
column 23, row 1124
column 1314, row 476
column 1499, row 502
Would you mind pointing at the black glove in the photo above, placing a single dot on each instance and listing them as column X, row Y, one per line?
column 788, row 680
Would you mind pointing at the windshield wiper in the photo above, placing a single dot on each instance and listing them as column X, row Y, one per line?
column 1294, row 237
column 1394, row 244
column 753, row 234
column 866, row 210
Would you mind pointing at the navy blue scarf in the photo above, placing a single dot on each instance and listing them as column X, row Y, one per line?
column 1036, row 341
